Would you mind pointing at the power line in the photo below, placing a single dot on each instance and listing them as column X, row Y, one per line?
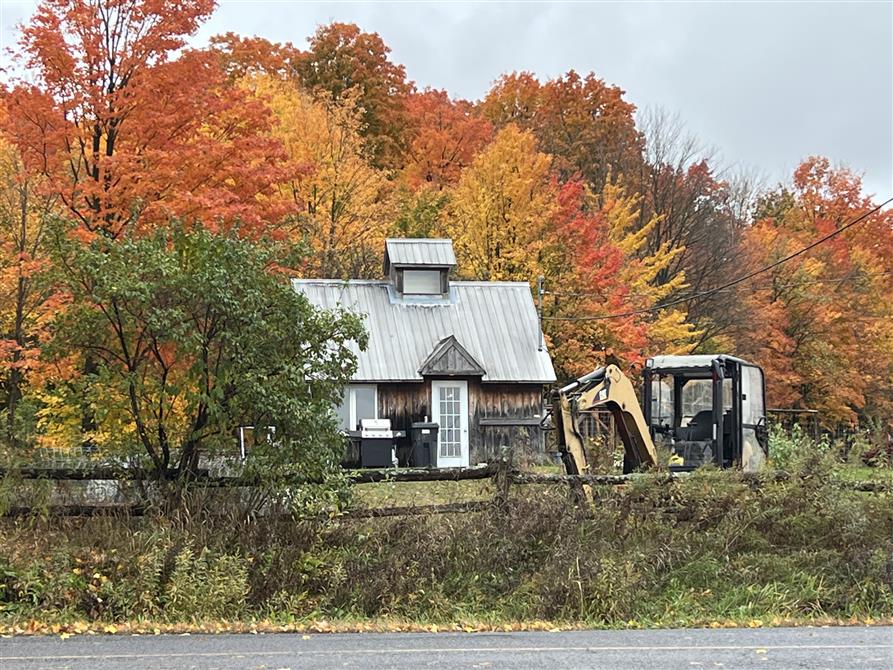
column 764, row 287
column 734, row 282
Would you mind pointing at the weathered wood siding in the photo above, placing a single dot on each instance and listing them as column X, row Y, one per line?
column 499, row 414
column 505, row 414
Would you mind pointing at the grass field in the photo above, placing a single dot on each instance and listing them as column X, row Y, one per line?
column 401, row 494
column 404, row 494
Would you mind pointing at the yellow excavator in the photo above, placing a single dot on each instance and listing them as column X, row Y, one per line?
column 700, row 409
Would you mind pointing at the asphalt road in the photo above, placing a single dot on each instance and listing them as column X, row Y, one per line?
column 734, row 649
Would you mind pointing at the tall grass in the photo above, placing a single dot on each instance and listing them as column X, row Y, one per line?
column 714, row 546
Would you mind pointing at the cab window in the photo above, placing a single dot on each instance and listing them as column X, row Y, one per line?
column 697, row 396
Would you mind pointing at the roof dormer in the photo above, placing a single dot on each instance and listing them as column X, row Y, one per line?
column 419, row 267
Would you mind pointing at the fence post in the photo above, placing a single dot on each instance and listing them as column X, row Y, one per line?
column 503, row 477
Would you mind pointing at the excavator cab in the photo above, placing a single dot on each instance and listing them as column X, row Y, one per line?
column 707, row 409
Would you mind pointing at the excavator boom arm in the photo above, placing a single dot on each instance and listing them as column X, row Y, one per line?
column 606, row 388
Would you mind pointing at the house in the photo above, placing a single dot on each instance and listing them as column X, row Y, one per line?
column 467, row 355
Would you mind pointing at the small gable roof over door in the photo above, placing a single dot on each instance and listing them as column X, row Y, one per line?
column 451, row 359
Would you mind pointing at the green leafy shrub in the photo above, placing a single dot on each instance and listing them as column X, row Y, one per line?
column 789, row 446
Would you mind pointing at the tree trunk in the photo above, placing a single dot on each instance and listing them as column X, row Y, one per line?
column 88, row 418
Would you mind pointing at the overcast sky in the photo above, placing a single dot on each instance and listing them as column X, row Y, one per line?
column 765, row 83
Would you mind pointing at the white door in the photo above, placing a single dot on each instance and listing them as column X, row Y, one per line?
column 450, row 412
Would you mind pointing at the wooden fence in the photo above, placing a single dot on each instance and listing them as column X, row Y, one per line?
column 502, row 473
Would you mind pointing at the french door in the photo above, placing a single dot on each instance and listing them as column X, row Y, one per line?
column 449, row 400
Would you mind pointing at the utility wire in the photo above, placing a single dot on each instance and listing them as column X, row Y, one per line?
column 734, row 282
column 764, row 287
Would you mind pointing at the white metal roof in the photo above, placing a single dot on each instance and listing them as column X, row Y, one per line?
column 693, row 361
column 496, row 322
column 417, row 251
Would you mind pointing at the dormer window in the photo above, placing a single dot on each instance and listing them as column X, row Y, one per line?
column 423, row 282
column 419, row 267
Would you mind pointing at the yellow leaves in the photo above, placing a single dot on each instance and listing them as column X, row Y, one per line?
column 621, row 213
column 346, row 204
column 321, row 626
column 669, row 332
column 500, row 209
column 59, row 418
column 650, row 277
column 307, row 629
column 643, row 272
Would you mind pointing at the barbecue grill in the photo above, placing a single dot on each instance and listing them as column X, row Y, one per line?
column 378, row 443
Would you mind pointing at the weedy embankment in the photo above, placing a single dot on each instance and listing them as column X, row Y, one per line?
column 712, row 548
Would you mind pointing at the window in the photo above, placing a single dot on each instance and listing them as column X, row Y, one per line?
column 662, row 401
column 422, row 282
column 752, row 394
column 753, row 411
column 450, row 421
column 360, row 402
column 697, row 396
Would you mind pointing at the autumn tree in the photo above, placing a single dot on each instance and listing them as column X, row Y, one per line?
column 446, row 136
column 500, row 209
column 584, row 123
column 510, row 220
column 824, row 318
column 126, row 127
column 345, row 204
column 243, row 57
column 701, row 215
column 583, row 287
column 602, row 305
column 345, row 61
column 130, row 129
column 194, row 336
column 669, row 329
column 24, row 299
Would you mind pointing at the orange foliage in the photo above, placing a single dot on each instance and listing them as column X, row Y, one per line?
column 24, row 305
column 121, row 128
column 824, row 320
column 589, row 283
column 583, row 122
column 248, row 56
column 344, row 60
column 447, row 136
column 127, row 134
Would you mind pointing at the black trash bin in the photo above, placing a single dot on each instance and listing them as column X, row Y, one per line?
column 424, row 444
